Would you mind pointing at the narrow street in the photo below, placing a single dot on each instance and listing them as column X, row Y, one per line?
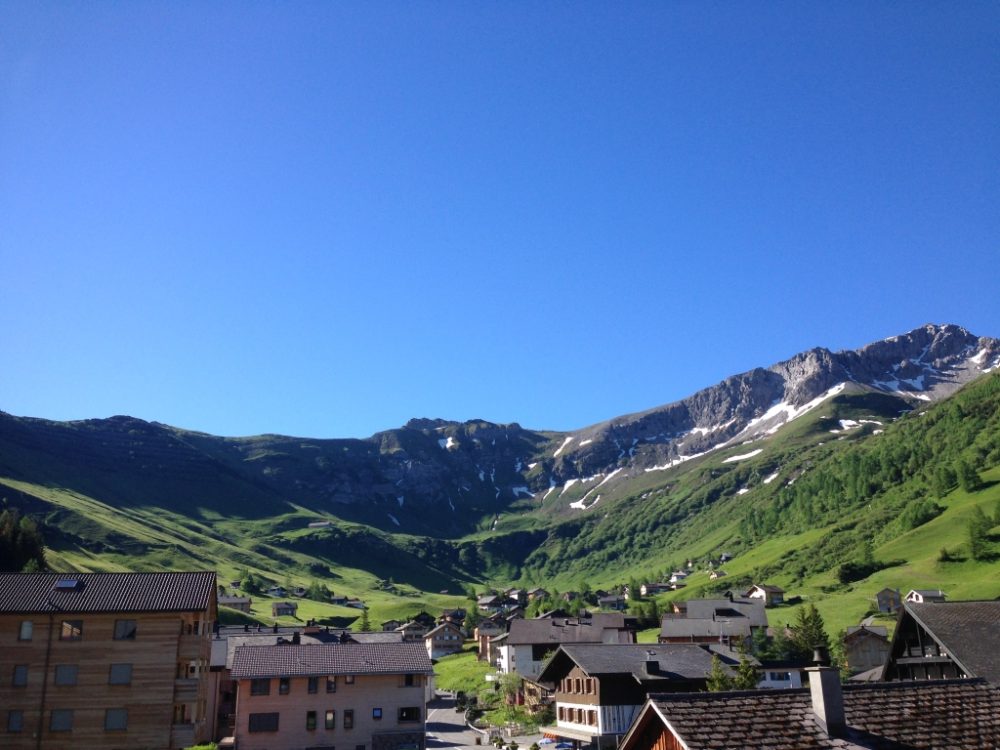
column 446, row 727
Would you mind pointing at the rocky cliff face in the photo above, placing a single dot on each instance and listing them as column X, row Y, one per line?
column 443, row 478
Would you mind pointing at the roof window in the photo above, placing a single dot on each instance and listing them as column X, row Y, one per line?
column 68, row 584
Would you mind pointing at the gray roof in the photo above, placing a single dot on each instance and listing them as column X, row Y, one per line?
column 674, row 660
column 227, row 640
column 737, row 608
column 968, row 631
column 953, row 714
column 331, row 659
column 686, row 627
column 106, row 592
column 564, row 629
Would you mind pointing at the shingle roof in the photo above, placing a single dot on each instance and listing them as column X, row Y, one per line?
column 564, row 629
column 750, row 608
column 674, row 660
column 969, row 631
column 937, row 714
column 106, row 592
column 330, row 659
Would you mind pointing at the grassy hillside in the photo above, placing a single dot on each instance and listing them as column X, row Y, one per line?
column 857, row 481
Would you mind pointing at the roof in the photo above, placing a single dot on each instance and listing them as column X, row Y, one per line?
column 330, row 659
column 726, row 608
column 768, row 588
column 968, row 631
column 229, row 639
column 688, row 627
column 879, row 631
column 107, row 592
column 679, row 661
column 954, row 714
column 564, row 629
column 444, row 626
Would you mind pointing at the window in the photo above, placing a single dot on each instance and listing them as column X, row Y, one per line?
column 66, row 674
column 409, row 714
column 61, row 720
column 116, row 720
column 311, row 720
column 359, row 747
column 349, row 719
column 562, row 713
column 331, row 684
column 780, row 676
column 72, row 630
column 313, row 685
column 15, row 721
column 579, row 685
column 263, row 722
column 124, row 630
column 592, row 718
column 588, row 685
column 120, row 674
column 20, row 675
column 331, row 719
column 408, row 680
column 348, row 679
column 377, row 714
column 284, row 685
column 26, row 630
column 261, row 686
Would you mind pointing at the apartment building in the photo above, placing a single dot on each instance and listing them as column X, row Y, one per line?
column 105, row 660
column 355, row 696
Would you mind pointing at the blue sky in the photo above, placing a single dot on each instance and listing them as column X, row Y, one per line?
column 324, row 219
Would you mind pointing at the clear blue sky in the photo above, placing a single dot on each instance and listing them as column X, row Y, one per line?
column 325, row 218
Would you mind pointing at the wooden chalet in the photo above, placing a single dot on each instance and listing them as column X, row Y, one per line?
column 865, row 647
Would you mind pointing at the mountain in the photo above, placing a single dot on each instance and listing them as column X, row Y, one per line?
column 436, row 504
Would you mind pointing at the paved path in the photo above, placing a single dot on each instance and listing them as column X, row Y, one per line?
column 446, row 727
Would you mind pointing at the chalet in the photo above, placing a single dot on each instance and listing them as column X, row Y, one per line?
column 770, row 595
column 98, row 660
column 346, row 694
column 715, row 575
column 651, row 589
column 946, row 640
column 725, row 557
column 338, row 599
column 241, row 603
column 284, row 609
column 537, row 593
column 488, row 603
column 278, row 591
column 525, row 647
column 320, row 524
column 356, row 603
column 612, row 601
column 866, row 647
column 514, row 613
column 678, row 576
column 483, row 634
column 727, row 620
column 445, row 639
column 888, row 600
column 299, row 592
column 389, row 625
column 925, row 596
column 412, row 631
column 456, row 616
column 516, row 597
column 958, row 715
column 600, row 687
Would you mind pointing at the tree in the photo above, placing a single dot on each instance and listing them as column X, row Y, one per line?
column 979, row 528
column 968, row 477
column 366, row 624
column 808, row 632
column 718, row 680
column 746, row 675
column 509, row 685
column 20, row 543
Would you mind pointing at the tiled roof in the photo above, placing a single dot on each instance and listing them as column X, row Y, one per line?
column 969, row 631
column 753, row 609
column 681, row 661
column 564, row 629
column 936, row 714
column 331, row 659
column 228, row 639
column 106, row 592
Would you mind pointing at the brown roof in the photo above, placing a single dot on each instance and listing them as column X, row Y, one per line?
column 953, row 714
column 24, row 593
column 331, row 659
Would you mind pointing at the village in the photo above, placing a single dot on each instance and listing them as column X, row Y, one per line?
column 107, row 660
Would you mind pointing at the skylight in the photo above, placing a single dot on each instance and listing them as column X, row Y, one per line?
column 68, row 584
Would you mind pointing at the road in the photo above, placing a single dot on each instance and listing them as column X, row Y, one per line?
column 446, row 727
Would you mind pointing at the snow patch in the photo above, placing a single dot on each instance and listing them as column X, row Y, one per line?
column 562, row 447
column 742, row 491
column 743, row 456
column 532, row 466
column 578, row 505
column 980, row 356
column 400, row 500
column 586, row 442
column 771, row 478
column 448, row 444
column 517, row 466
column 522, row 489
column 394, row 519
column 451, row 504
column 782, row 408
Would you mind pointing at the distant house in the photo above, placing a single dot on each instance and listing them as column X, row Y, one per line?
column 771, row 595
column 488, row 603
column 356, row 603
column 425, row 618
column 456, row 616
column 651, row 589
column 412, row 631
column 678, row 576
column 389, row 625
column 725, row 557
column 284, row 609
column 338, row 599
column 320, row 524
column 946, row 640
column 278, row 591
column 926, row 596
column 717, row 574
column 728, row 621
column 242, row 603
column 949, row 715
column 888, row 600
column 866, row 647
column 445, row 639
column 299, row 591
column 537, row 593
column 612, row 602
column 528, row 643
column 484, row 633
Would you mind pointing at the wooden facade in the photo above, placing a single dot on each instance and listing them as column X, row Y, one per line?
column 105, row 680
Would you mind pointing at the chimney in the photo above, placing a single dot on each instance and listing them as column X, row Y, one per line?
column 827, row 698
column 296, row 638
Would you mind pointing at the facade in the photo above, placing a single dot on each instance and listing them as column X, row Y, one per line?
column 284, row 609
column 925, row 596
column 729, row 621
column 241, row 603
column 945, row 641
column 958, row 715
column 364, row 696
column 770, row 595
column 445, row 639
column 866, row 647
column 484, row 633
column 601, row 687
column 888, row 600
column 524, row 648
column 105, row 660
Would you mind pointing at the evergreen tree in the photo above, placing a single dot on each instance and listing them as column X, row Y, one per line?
column 366, row 624
column 968, row 477
column 746, row 675
column 718, row 680
column 808, row 632
column 979, row 527
column 20, row 543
